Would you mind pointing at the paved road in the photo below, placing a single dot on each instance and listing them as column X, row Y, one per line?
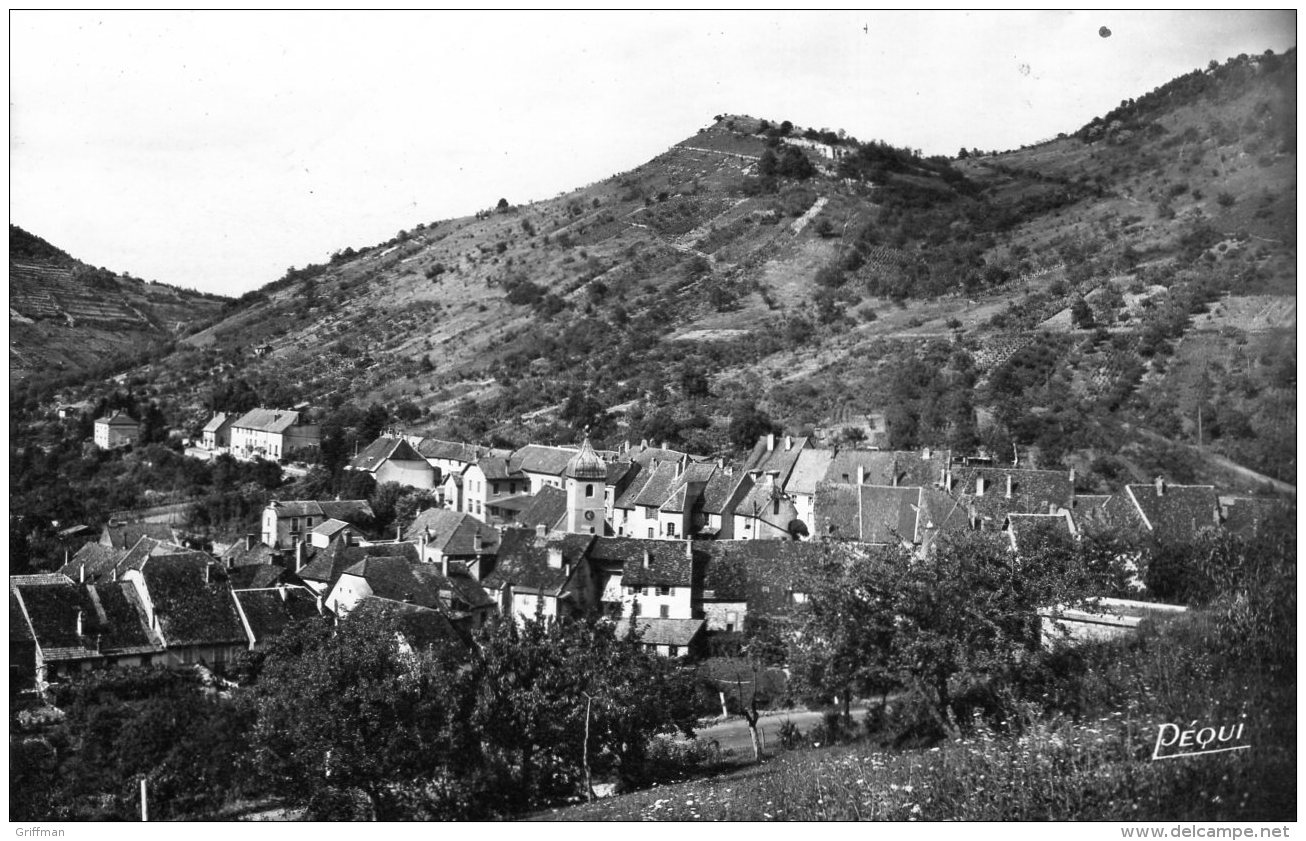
column 733, row 733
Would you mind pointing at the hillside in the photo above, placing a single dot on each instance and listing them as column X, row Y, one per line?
column 1079, row 301
column 66, row 318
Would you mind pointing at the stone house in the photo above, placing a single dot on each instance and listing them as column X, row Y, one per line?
column 393, row 459
column 216, row 434
column 272, row 434
column 539, row 574
column 288, row 522
column 115, row 430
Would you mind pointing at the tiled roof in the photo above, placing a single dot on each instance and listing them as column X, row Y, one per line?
column 498, row 468
column 1179, row 513
column 668, row 561
column 695, row 476
column 547, row 508
column 267, row 420
column 147, row 548
column 189, row 609
column 38, row 579
column 394, row 578
column 125, row 536
column 626, row 498
column 329, row 527
column 421, row 627
column 523, row 561
column 888, row 514
column 889, row 467
column 810, row 468
column 1032, row 491
column 269, row 611
column 355, row 511
column 328, row 564
column 781, row 458
column 113, row 620
column 118, row 419
column 434, row 448
column 662, row 477
column 19, row 630
column 1247, row 516
column 452, row 532
column 254, row 576
column 720, row 490
column 218, row 421
column 678, row 632
column 237, row 555
column 644, row 455
column 99, row 561
column 537, row 458
column 835, row 511
column 458, row 590
column 764, row 573
column 619, row 472
column 383, row 449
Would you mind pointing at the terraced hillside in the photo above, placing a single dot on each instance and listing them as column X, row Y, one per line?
column 1044, row 301
column 67, row 317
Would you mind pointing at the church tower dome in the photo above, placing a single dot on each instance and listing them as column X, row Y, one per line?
column 586, row 464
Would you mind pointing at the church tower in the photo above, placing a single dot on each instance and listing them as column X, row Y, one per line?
column 586, row 477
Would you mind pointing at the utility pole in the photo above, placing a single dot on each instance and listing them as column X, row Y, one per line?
column 145, row 809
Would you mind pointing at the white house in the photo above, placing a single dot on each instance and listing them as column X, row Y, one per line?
column 271, row 433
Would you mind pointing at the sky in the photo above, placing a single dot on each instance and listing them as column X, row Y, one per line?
column 214, row 150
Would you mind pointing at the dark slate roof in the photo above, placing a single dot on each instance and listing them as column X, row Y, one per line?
column 190, row 610
column 147, row 548
column 913, row 468
column 523, row 561
column 626, row 498
column 653, row 631
column 254, row 576
column 619, row 472
column 267, row 420
column 236, row 555
column 1032, row 491
column 780, row 459
column 537, row 458
column 1247, row 516
column 547, row 508
column 330, row 527
column 1179, row 513
column 421, row 627
column 458, row 590
column 125, row 536
column 764, row 573
column 1029, row 532
column 355, row 511
column 386, row 448
column 434, row 448
column 113, row 620
column 452, row 532
column 1090, row 502
column 694, row 476
column 269, row 611
column 888, row 514
column 668, row 562
column 759, row 501
column 393, row 578
column 327, row 564
column 99, row 560
column 498, row 468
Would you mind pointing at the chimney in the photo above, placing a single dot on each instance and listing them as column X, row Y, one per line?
column 720, row 464
column 1008, row 486
column 925, row 454
column 1072, row 478
column 208, row 570
column 421, row 544
column 249, row 542
column 81, row 574
column 789, row 443
column 947, row 480
column 979, row 486
column 643, row 444
column 541, row 530
column 648, row 559
column 555, row 557
column 861, row 474
column 281, row 589
column 689, row 548
column 444, row 564
column 1160, row 486
column 680, row 466
column 566, row 569
column 770, row 441
column 80, row 627
column 299, row 555
column 665, row 445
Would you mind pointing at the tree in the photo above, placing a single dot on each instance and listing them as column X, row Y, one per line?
column 502, row 205
column 694, row 382
column 749, row 423
column 767, row 164
column 1081, row 315
column 380, row 716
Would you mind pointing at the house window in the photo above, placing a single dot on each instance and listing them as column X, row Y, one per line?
column 650, row 531
column 589, row 490
column 664, row 591
column 308, row 522
column 671, row 529
column 494, row 487
column 673, row 650
column 630, row 591
column 643, row 591
column 664, row 611
column 294, row 524
column 775, row 506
